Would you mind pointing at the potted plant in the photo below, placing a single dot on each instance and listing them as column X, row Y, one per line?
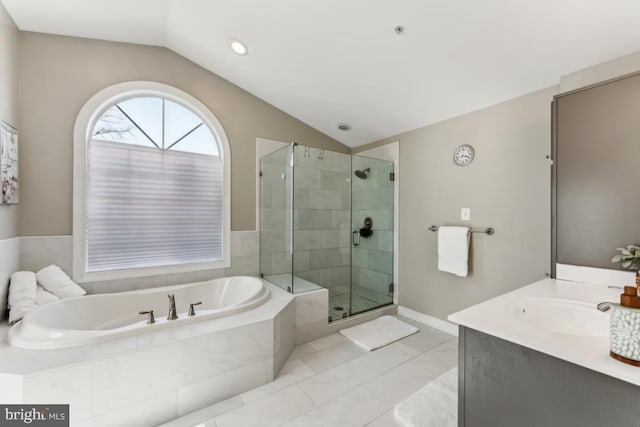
column 629, row 258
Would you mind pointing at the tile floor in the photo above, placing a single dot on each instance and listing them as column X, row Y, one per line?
column 333, row 382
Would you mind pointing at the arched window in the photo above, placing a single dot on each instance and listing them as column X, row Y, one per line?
column 154, row 177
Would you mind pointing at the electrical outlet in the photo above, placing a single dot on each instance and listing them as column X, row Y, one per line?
column 465, row 214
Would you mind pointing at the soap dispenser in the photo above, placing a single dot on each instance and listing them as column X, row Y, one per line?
column 630, row 297
column 624, row 337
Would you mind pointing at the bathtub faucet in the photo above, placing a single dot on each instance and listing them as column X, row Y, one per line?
column 172, row 307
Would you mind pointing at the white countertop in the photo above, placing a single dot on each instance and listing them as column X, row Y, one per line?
column 491, row 317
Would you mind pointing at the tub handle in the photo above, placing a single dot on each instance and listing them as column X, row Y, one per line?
column 192, row 311
column 151, row 319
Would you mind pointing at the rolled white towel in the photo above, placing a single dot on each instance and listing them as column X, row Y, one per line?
column 22, row 295
column 44, row 297
column 56, row 281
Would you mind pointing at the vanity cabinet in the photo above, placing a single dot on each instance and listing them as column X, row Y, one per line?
column 502, row 384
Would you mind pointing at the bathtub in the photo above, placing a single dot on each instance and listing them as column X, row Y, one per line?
column 94, row 318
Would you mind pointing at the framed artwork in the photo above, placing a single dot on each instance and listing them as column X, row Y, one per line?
column 9, row 163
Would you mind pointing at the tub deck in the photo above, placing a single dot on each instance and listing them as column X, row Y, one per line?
column 167, row 373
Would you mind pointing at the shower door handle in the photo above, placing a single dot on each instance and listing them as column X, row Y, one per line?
column 356, row 238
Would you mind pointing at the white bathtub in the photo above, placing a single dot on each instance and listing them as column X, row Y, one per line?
column 94, row 318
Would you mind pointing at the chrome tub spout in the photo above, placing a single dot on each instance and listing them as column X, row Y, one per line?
column 172, row 308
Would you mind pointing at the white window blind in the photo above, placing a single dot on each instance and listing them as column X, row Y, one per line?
column 149, row 207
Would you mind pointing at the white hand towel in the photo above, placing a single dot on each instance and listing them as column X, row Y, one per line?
column 56, row 281
column 44, row 297
column 453, row 250
column 22, row 295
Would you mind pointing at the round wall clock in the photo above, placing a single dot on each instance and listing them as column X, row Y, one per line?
column 463, row 155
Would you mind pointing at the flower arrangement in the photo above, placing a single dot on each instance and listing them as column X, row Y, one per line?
column 628, row 257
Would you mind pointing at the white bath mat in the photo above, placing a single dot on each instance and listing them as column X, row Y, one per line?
column 379, row 332
column 434, row 405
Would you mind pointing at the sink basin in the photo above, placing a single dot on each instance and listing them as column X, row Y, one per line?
column 561, row 316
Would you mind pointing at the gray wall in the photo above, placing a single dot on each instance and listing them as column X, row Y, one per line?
column 9, row 106
column 507, row 187
column 59, row 74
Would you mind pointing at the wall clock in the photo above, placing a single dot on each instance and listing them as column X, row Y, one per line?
column 463, row 155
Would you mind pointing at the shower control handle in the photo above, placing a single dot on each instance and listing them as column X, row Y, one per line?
column 151, row 319
column 192, row 311
column 356, row 238
column 367, row 230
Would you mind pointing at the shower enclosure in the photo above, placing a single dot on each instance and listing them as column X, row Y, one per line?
column 326, row 221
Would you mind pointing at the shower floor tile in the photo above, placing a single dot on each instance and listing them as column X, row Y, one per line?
column 339, row 304
column 359, row 390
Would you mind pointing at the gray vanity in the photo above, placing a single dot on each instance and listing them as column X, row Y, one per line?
column 503, row 384
column 522, row 364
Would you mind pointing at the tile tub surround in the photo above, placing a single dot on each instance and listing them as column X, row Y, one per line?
column 492, row 318
column 333, row 382
column 36, row 252
column 153, row 378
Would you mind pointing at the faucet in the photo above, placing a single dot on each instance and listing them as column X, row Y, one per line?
column 604, row 306
column 151, row 319
column 192, row 311
column 172, row 307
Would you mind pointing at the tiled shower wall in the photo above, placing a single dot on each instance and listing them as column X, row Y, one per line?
column 321, row 218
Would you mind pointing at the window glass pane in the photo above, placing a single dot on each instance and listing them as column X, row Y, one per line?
column 146, row 113
column 114, row 126
column 199, row 141
column 177, row 122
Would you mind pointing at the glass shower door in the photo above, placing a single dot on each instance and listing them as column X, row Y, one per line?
column 372, row 189
column 276, row 222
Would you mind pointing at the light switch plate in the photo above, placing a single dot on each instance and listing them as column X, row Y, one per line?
column 465, row 214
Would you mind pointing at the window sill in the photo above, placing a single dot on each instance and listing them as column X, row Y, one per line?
column 81, row 276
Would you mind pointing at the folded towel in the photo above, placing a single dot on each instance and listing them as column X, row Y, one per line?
column 56, row 281
column 22, row 295
column 44, row 297
column 453, row 250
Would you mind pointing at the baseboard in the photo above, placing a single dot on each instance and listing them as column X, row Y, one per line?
column 434, row 322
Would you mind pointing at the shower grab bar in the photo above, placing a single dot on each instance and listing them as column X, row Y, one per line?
column 488, row 230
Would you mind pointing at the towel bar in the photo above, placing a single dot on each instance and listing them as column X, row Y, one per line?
column 488, row 230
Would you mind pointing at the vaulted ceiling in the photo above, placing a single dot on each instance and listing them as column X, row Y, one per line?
column 331, row 61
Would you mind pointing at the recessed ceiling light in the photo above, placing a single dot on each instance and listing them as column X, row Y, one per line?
column 345, row 127
column 238, row 47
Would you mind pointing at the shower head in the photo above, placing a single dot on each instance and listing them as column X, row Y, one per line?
column 363, row 173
